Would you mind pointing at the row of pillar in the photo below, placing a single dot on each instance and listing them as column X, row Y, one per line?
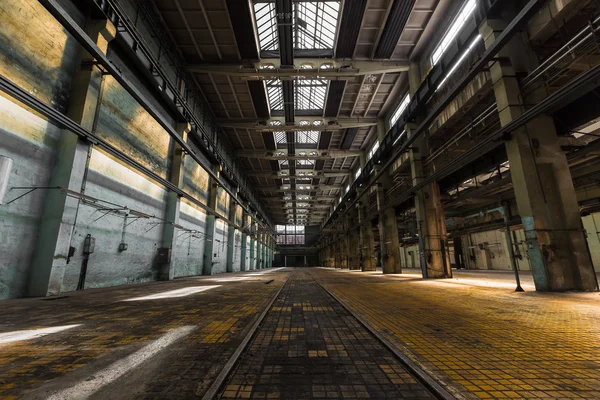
column 545, row 195
column 60, row 212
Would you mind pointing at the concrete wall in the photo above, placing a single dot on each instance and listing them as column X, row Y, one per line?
column 497, row 255
column 37, row 54
column 44, row 68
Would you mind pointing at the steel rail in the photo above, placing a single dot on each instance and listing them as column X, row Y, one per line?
column 219, row 381
column 436, row 388
column 84, row 40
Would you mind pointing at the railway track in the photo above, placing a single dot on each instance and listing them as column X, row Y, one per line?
column 308, row 344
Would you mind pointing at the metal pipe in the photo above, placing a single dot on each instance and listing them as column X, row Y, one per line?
column 509, row 243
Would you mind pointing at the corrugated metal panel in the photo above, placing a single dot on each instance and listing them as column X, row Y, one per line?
column 334, row 98
column 352, row 16
column 394, row 26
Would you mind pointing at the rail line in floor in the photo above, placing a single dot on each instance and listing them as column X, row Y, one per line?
column 308, row 344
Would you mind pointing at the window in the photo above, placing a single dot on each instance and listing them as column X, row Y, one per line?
column 453, row 31
column 310, row 94
column 266, row 25
column 283, row 163
column 358, row 172
column 399, row 110
column 373, row 150
column 305, row 163
column 280, row 137
column 315, row 24
column 290, row 234
column 275, row 94
column 307, row 137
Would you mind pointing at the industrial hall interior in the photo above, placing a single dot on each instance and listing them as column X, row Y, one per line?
column 299, row 199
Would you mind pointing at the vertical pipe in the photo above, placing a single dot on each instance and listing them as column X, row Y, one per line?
column 509, row 242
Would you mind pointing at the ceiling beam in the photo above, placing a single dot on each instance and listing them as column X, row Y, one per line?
column 278, row 124
column 310, row 154
column 350, row 70
column 300, row 174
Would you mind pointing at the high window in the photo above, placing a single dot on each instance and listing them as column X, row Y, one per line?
column 399, row 110
column 454, row 30
column 307, row 137
column 373, row 150
column 358, row 172
column 290, row 234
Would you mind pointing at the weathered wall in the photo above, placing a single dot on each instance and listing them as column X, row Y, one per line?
column 44, row 68
column 37, row 54
column 497, row 258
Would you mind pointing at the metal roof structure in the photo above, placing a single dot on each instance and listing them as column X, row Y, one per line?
column 299, row 86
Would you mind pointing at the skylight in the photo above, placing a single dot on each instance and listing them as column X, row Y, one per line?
column 454, row 30
column 315, row 24
column 280, row 137
column 266, row 25
column 398, row 112
column 275, row 93
column 305, row 163
column 373, row 150
column 307, row 137
column 310, row 94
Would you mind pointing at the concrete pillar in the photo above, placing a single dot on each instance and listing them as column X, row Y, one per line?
column 367, row 241
column 252, row 256
column 233, row 206
column 210, row 233
column 431, row 222
column 245, row 224
column 60, row 213
column 556, row 243
column 354, row 244
column 381, row 131
column 169, row 233
column 388, row 231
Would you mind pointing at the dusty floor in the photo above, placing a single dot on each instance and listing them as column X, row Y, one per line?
column 477, row 335
column 473, row 333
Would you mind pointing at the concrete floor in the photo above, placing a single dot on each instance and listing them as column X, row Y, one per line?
column 473, row 333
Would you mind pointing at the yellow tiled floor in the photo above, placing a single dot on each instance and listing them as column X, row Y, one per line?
column 478, row 336
column 111, row 328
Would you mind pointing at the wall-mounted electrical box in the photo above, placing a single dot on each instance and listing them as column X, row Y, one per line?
column 89, row 244
column 164, row 255
column 5, row 168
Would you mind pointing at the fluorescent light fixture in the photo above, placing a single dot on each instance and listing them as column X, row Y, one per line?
column 400, row 109
column 17, row 336
column 453, row 31
column 460, row 60
column 175, row 293
column 400, row 136
column 373, row 150
column 358, row 172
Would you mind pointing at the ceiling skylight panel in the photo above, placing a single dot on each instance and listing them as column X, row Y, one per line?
column 307, row 137
column 315, row 24
column 454, row 30
column 266, row 25
column 280, row 137
column 310, row 94
column 275, row 94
